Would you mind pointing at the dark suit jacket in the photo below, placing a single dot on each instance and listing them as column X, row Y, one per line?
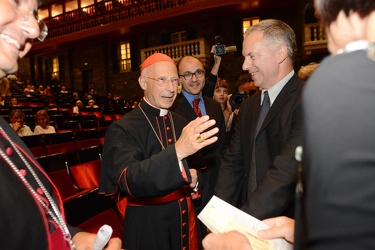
column 211, row 153
column 339, row 154
column 275, row 144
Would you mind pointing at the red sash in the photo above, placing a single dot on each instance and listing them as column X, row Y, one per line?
column 176, row 195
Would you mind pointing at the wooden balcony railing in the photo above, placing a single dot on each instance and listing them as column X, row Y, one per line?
column 107, row 12
column 314, row 38
column 196, row 48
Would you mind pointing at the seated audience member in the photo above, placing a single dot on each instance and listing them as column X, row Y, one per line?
column 63, row 90
column 305, row 71
column 31, row 89
column 87, row 96
column 16, row 118
column 135, row 104
column 40, row 90
column 77, row 107
column 26, row 92
column 92, row 104
column 42, row 123
column 92, row 92
column 13, row 102
column 127, row 104
column 75, row 95
column 47, row 91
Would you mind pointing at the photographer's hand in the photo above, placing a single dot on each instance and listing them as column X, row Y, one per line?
column 229, row 107
column 217, row 60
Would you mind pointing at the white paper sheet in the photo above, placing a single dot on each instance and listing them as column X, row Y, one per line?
column 220, row 217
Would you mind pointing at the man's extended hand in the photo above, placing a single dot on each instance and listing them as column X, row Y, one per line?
column 193, row 138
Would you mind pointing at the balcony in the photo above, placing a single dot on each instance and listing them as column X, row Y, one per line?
column 109, row 15
column 108, row 20
column 197, row 48
column 314, row 39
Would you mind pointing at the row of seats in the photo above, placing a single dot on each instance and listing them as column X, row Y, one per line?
column 68, row 141
column 79, row 125
column 76, row 176
column 75, row 173
column 72, row 161
column 105, row 113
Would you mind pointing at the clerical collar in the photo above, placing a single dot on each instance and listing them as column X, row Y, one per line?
column 354, row 46
column 152, row 110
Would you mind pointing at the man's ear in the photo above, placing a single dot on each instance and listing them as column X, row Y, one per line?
column 282, row 53
column 142, row 82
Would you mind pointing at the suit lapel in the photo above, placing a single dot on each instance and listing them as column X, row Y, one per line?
column 185, row 108
column 208, row 106
column 253, row 116
column 280, row 100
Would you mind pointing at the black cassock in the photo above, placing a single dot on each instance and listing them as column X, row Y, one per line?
column 159, row 214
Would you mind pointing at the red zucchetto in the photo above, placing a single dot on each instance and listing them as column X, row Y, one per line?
column 154, row 58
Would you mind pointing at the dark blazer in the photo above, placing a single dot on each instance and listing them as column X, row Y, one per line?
column 339, row 154
column 275, row 144
column 211, row 153
column 207, row 159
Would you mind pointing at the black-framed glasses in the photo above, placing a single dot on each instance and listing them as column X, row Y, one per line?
column 198, row 74
column 164, row 80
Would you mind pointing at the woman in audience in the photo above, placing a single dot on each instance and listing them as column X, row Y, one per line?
column 77, row 107
column 92, row 104
column 42, row 123
column 13, row 102
column 16, row 118
column 222, row 97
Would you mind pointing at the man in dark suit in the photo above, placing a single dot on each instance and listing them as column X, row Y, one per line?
column 192, row 77
column 259, row 172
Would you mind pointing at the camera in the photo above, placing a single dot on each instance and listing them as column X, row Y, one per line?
column 237, row 98
column 220, row 48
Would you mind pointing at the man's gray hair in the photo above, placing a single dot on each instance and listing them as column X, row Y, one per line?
column 278, row 32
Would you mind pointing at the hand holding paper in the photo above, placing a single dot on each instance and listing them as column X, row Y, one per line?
column 221, row 217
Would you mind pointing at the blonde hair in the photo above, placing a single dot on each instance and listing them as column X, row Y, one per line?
column 41, row 112
column 305, row 71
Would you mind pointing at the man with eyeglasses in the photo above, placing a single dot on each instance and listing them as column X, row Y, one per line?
column 32, row 214
column 145, row 157
column 191, row 103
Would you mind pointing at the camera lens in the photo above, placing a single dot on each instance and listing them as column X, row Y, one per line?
column 236, row 99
